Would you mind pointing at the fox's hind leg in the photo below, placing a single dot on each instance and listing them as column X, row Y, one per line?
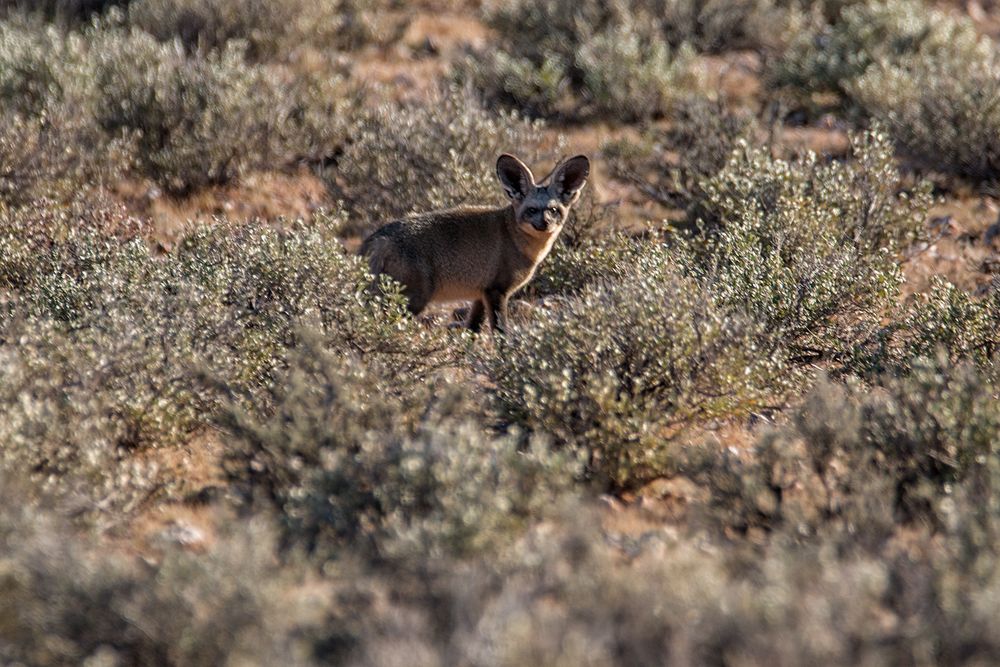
column 418, row 287
column 417, row 298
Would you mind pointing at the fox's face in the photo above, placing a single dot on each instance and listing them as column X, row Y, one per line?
column 541, row 208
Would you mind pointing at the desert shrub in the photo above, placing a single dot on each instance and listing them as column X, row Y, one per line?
column 611, row 56
column 68, row 599
column 944, row 320
column 143, row 107
column 809, row 250
column 539, row 90
column 940, row 105
column 52, row 158
column 632, row 77
column 264, row 281
column 854, row 464
column 569, row 592
column 714, row 26
column 204, row 120
column 49, row 144
column 27, row 76
column 67, row 431
column 827, row 10
column 566, row 598
column 352, row 458
column 270, row 29
column 554, row 27
column 283, row 280
column 65, row 10
column 668, row 165
column 442, row 153
column 574, row 264
column 108, row 350
column 620, row 369
column 904, row 474
column 831, row 57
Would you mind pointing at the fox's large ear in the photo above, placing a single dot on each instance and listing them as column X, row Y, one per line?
column 570, row 177
column 515, row 177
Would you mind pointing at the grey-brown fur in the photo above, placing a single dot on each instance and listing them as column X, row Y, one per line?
column 481, row 254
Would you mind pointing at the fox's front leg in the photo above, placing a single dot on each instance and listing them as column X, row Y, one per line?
column 496, row 303
column 476, row 316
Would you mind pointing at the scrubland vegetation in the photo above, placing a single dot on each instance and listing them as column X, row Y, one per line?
column 747, row 413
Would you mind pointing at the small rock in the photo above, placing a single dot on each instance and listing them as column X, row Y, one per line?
column 674, row 487
column 183, row 533
column 610, row 502
column 104, row 656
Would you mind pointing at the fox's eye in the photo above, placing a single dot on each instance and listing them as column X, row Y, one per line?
column 554, row 211
column 531, row 211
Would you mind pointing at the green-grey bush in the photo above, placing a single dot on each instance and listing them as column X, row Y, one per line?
column 861, row 530
column 940, row 105
column 668, row 165
column 574, row 264
column 57, row 158
column 795, row 598
column 117, row 350
column 417, row 157
column 30, row 71
column 50, row 146
column 810, row 250
column 270, row 29
column 352, row 458
column 64, row 10
column 718, row 25
column 565, row 598
column 69, row 599
column 943, row 320
column 621, row 369
column 631, row 76
column 612, row 57
column 950, row 319
column 205, row 119
column 855, row 464
column 146, row 108
column 829, row 57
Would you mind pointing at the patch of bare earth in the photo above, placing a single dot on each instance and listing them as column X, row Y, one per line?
column 964, row 247
column 188, row 516
column 418, row 64
column 261, row 195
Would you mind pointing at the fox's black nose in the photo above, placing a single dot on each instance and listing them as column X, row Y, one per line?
column 540, row 225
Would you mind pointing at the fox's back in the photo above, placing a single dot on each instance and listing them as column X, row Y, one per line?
column 460, row 249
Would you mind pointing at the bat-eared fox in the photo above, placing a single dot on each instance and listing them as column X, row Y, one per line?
column 476, row 253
